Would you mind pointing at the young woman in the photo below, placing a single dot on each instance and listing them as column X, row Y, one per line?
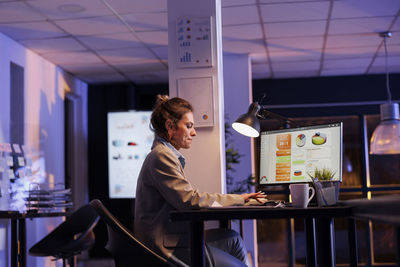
column 162, row 187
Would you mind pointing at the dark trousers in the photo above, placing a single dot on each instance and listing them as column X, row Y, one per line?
column 225, row 247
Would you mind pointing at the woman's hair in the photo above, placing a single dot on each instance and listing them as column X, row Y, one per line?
column 165, row 109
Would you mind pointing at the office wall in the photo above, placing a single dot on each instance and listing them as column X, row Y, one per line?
column 43, row 97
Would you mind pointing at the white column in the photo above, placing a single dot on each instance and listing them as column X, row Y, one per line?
column 238, row 96
column 195, row 73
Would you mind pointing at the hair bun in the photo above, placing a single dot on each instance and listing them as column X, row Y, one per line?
column 162, row 98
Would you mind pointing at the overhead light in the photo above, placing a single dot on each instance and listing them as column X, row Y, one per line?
column 248, row 124
column 385, row 139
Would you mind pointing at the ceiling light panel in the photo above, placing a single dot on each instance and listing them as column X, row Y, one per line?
column 295, row 11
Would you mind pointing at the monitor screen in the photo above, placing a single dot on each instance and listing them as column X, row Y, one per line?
column 129, row 142
column 293, row 155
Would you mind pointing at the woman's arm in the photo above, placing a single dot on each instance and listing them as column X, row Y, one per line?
column 169, row 179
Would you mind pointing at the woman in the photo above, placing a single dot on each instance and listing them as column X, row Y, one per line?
column 162, row 187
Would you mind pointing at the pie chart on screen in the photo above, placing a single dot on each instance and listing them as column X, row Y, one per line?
column 300, row 140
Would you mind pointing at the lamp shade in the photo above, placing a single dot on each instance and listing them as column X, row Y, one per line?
column 248, row 124
column 386, row 137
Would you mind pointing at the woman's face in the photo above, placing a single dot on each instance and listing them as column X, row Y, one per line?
column 182, row 133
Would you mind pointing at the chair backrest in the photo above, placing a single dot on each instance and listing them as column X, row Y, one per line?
column 123, row 246
column 71, row 237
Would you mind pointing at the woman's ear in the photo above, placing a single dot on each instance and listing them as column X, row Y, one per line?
column 168, row 125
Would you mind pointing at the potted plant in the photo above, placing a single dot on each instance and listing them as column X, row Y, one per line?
column 326, row 188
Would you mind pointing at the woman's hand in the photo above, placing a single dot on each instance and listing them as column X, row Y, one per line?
column 257, row 196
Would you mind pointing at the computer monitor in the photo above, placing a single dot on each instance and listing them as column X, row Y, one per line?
column 292, row 155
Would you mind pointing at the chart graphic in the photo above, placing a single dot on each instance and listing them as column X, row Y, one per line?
column 193, row 37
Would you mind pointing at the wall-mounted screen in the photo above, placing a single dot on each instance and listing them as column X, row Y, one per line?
column 129, row 142
column 293, row 155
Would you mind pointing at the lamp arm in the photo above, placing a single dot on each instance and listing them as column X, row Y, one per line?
column 263, row 114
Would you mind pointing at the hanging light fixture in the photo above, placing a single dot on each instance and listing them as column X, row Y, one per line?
column 386, row 137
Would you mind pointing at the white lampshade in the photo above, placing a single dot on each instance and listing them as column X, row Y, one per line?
column 248, row 124
column 245, row 129
column 386, row 137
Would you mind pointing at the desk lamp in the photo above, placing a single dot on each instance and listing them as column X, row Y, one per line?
column 248, row 124
column 386, row 137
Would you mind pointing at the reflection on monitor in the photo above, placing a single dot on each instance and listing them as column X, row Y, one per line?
column 293, row 155
column 129, row 142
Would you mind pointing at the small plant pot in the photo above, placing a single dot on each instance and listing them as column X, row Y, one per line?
column 327, row 192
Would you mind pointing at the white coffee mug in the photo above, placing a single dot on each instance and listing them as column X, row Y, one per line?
column 300, row 194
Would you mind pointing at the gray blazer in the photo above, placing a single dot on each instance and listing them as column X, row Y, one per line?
column 162, row 187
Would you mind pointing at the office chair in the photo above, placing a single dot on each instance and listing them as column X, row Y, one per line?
column 125, row 248
column 70, row 238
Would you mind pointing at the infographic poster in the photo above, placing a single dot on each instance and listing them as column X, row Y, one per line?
column 129, row 142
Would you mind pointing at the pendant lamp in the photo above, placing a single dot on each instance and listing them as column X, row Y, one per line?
column 385, row 139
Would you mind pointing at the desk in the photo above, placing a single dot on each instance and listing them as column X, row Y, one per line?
column 319, row 227
column 18, row 233
column 383, row 209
